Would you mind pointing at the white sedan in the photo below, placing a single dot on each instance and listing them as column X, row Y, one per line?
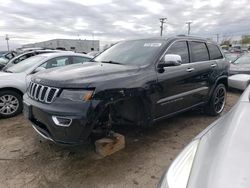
column 14, row 80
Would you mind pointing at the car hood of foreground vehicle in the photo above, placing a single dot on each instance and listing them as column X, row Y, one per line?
column 84, row 75
column 222, row 157
column 243, row 67
column 6, row 77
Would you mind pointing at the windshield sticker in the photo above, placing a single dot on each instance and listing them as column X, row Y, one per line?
column 152, row 44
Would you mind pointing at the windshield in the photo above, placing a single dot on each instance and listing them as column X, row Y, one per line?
column 243, row 60
column 138, row 52
column 25, row 64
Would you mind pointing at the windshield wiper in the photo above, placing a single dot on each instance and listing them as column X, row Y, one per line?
column 111, row 62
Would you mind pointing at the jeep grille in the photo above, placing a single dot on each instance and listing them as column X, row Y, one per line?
column 42, row 93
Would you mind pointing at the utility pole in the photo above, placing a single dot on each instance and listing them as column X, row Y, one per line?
column 189, row 26
column 162, row 21
column 93, row 37
column 217, row 37
column 7, row 40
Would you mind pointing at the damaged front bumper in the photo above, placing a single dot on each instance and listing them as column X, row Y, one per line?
column 63, row 122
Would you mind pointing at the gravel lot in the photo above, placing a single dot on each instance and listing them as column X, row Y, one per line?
column 26, row 161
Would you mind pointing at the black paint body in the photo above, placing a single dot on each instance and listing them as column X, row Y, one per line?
column 156, row 93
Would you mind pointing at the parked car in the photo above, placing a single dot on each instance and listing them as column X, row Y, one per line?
column 240, row 65
column 231, row 57
column 5, row 57
column 239, row 81
column 14, row 80
column 134, row 82
column 218, row 156
column 24, row 56
column 24, row 50
column 7, row 54
column 3, row 62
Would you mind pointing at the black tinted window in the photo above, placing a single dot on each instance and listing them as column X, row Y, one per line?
column 180, row 48
column 198, row 51
column 214, row 52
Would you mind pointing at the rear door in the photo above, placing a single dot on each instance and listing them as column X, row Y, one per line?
column 204, row 68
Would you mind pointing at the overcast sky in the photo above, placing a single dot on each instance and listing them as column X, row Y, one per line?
column 28, row 21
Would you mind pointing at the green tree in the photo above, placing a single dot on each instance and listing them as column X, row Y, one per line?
column 245, row 39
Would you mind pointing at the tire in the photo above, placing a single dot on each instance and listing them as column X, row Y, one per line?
column 11, row 103
column 217, row 101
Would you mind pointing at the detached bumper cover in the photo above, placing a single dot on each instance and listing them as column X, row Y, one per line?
column 81, row 113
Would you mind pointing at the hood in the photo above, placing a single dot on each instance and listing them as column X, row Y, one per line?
column 5, row 74
column 222, row 157
column 83, row 75
column 239, row 67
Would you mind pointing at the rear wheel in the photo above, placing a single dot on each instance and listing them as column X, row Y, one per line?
column 217, row 101
column 10, row 104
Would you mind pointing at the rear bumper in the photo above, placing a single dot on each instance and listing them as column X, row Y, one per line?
column 81, row 116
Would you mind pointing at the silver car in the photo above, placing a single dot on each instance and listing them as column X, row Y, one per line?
column 26, row 55
column 240, row 65
column 219, row 156
column 14, row 80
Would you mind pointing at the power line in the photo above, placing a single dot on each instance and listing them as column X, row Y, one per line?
column 162, row 21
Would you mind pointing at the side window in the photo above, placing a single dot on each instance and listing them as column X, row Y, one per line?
column 21, row 58
column 214, row 52
column 180, row 48
column 56, row 62
column 198, row 51
column 77, row 59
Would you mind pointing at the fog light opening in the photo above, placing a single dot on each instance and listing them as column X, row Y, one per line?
column 62, row 121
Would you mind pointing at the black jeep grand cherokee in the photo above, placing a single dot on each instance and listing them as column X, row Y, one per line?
column 133, row 82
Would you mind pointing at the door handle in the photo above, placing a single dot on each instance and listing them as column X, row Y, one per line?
column 213, row 65
column 190, row 69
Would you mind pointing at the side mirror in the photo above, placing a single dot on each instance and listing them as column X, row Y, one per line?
column 38, row 69
column 171, row 60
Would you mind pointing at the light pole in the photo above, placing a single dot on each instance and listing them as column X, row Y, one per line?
column 7, row 40
column 162, row 21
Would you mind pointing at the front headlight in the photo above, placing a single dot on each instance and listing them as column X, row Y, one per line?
column 179, row 171
column 77, row 95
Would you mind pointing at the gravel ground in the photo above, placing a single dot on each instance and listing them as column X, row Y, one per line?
column 26, row 161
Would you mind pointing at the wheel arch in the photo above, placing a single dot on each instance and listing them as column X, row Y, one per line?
column 135, row 108
column 12, row 89
column 133, row 103
column 220, row 80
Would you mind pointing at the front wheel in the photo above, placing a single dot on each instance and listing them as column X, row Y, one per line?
column 10, row 104
column 217, row 101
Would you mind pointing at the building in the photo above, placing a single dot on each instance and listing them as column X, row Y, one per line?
column 68, row 44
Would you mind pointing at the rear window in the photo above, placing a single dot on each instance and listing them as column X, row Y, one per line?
column 214, row 52
column 198, row 51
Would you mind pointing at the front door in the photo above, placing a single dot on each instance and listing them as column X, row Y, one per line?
column 176, row 84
